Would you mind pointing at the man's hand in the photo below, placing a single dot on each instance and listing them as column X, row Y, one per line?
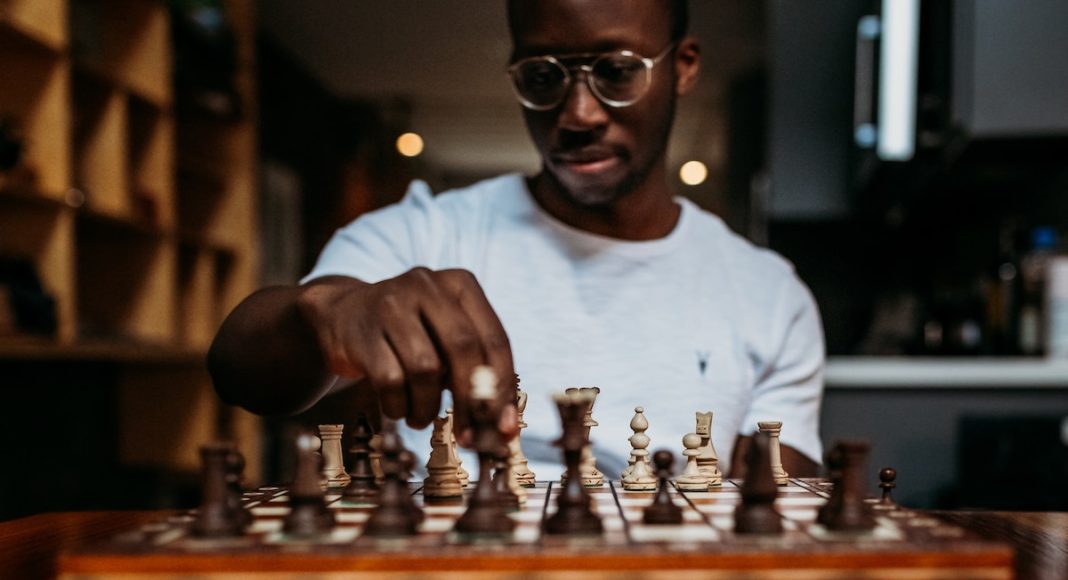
column 410, row 337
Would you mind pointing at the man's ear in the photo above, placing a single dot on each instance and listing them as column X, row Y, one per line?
column 687, row 65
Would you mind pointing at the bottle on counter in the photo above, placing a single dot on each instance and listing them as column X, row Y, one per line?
column 1034, row 315
column 1057, row 307
column 1003, row 295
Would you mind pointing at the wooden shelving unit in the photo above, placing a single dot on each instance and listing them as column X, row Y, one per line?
column 137, row 213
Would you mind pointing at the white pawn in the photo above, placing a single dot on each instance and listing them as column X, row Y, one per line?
column 376, row 458
column 707, row 460
column 639, row 476
column 773, row 428
column 333, row 464
column 692, row 479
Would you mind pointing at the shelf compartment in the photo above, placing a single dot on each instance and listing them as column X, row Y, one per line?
column 130, row 39
column 44, row 235
column 38, row 103
column 101, row 127
column 126, row 281
column 196, row 296
column 151, row 164
column 43, row 21
column 864, row 372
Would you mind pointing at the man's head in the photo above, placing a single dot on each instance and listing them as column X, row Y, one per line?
column 594, row 151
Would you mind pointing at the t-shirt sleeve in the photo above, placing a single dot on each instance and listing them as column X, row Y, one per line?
column 790, row 386
column 385, row 243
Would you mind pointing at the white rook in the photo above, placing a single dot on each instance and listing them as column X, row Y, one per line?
column 333, row 462
column 772, row 428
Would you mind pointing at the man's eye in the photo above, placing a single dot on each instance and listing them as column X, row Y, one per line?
column 617, row 70
column 542, row 76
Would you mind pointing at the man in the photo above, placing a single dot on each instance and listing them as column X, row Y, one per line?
column 588, row 273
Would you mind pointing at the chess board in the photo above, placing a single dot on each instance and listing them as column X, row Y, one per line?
column 904, row 544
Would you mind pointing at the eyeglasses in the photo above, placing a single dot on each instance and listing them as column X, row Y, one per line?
column 617, row 79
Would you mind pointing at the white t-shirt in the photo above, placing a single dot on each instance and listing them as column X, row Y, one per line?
column 700, row 320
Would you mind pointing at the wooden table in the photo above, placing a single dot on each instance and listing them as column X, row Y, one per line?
column 29, row 546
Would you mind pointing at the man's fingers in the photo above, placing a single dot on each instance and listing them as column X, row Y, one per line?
column 386, row 374
column 496, row 351
column 422, row 368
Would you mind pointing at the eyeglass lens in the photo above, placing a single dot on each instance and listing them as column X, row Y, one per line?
column 618, row 79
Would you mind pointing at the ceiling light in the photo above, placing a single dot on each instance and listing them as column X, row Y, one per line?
column 693, row 173
column 410, row 144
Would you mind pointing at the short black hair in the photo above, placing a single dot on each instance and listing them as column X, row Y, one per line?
column 679, row 17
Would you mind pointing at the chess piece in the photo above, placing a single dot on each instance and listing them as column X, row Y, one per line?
column 574, row 515
column 639, row 476
column 518, row 460
column 361, row 486
column 375, row 456
column 663, row 510
column 772, row 428
column 461, row 473
column 396, row 514
column 692, row 479
column 235, row 466
column 833, row 460
column 333, row 464
column 502, row 480
column 756, row 514
column 514, row 484
column 442, row 481
column 707, row 460
column 216, row 517
column 407, row 462
column 591, row 476
column 887, row 482
column 308, row 514
column 485, row 514
column 846, row 510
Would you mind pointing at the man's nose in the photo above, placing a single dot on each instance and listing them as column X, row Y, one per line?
column 581, row 109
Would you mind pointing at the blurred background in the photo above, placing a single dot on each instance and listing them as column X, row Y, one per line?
column 161, row 160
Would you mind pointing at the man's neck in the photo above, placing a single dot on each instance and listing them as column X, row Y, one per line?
column 647, row 213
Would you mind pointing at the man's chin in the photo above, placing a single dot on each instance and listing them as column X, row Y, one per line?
column 590, row 190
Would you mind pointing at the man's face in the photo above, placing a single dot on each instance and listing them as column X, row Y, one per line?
column 596, row 153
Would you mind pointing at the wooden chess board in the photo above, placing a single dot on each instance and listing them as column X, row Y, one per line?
column 904, row 544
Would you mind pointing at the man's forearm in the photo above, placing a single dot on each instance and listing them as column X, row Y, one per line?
column 266, row 358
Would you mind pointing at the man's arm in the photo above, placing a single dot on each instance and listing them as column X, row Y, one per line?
column 407, row 337
column 794, row 462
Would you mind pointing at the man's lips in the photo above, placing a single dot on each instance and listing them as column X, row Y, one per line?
column 591, row 160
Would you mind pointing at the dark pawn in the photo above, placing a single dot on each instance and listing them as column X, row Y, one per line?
column 216, row 517
column 662, row 511
column 509, row 500
column 485, row 514
column 756, row 514
column 308, row 514
column 396, row 514
column 573, row 512
column 407, row 459
column 847, row 511
column 833, row 460
column 362, row 486
column 235, row 466
column 887, row 482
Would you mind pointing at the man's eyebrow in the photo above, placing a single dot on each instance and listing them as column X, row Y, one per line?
column 529, row 51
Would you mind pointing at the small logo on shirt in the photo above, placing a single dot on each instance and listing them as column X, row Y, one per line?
column 702, row 361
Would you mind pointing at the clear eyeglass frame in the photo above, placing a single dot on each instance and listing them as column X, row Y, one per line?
column 586, row 69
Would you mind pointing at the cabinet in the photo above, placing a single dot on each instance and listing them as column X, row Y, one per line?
column 135, row 210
